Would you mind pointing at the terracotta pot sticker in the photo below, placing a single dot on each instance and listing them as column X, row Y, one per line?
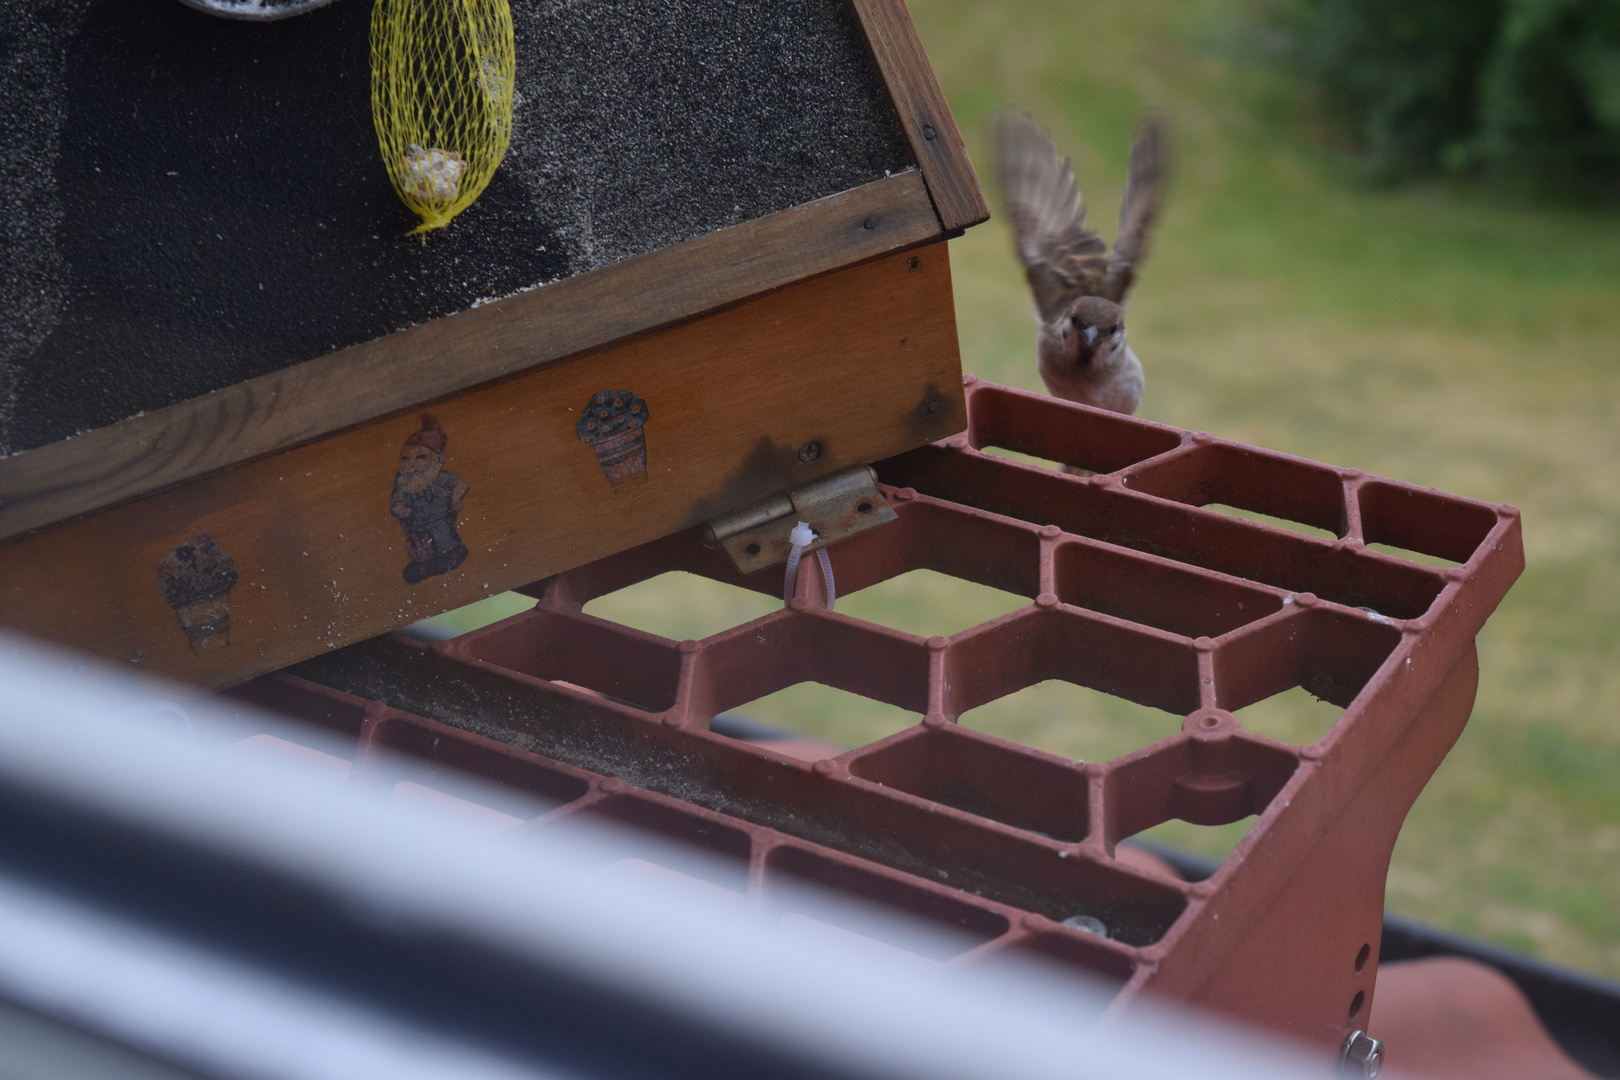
column 426, row 502
column 612, row 426
column 196, row 579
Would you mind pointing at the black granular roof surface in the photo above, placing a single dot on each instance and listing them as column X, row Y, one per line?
column 195, row 201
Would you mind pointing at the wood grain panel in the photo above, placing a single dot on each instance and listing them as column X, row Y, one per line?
column 924, row 113
column 432, row 361
column 862, row 362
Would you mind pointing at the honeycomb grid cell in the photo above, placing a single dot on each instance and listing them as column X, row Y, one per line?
column 1071, row 722
column 678, row 605
column 1053, row 641
column 1332, row 655
column 1215, row 777
column 800, row 645
column 1156, row 592
column 1421, row 520
column 982, row 776
column 1099, row 441
column 1267, row 483
column 933, row 535
column 628, row 666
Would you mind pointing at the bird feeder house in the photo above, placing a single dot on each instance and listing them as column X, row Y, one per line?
column 251, row 426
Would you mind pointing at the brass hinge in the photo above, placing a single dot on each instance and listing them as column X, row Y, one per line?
column 835, row 508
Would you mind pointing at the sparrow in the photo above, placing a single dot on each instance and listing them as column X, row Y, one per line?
column 1079, row 287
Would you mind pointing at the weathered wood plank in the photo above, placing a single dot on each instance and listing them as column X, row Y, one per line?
column 924, row 113
column 427, row 363
column 862, row 362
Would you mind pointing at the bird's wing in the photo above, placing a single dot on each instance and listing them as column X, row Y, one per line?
column 1062, row 258
column 1149, row 165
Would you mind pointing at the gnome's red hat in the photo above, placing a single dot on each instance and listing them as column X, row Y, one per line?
column 431, row 436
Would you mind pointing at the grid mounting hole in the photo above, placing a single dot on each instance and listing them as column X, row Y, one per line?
column 1361, row 958
column 1356, row 1003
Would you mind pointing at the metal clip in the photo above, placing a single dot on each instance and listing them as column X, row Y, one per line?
column 839, row 506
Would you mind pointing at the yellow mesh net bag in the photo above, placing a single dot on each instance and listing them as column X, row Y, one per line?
column 441, row 97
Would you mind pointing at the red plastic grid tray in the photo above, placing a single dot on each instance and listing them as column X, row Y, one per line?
column 1134, row 590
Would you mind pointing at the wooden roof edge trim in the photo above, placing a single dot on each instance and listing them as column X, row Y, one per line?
column 435, row 360
column 924, row 113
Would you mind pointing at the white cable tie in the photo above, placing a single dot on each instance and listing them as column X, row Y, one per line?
column 801, row 537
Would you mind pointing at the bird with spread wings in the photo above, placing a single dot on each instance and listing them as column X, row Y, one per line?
column 1079, row 286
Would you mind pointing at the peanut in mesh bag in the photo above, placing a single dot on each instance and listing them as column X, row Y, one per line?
column 441, row 98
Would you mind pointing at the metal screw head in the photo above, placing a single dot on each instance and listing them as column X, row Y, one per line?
column 1362, row 1056
column 809, row 452
column 929, row 133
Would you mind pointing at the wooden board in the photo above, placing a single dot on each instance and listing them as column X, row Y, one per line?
column 862, row 362
column 924, row 113
column 427, row 363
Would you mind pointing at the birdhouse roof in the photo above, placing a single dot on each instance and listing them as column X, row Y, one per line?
column 216, row 268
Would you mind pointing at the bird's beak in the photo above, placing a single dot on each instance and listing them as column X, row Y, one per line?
column 1091, row 335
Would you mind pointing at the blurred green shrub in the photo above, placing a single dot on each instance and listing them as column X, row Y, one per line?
column 1524, row 90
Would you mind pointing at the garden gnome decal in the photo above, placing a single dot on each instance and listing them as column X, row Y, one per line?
column 196, row 579
column 426, row 501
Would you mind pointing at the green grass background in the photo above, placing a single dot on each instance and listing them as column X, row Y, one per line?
column 1442, row 336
